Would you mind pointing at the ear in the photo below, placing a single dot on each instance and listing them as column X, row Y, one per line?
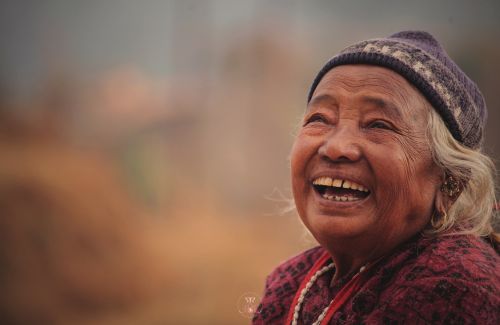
column 448, row 193
column 442, row 202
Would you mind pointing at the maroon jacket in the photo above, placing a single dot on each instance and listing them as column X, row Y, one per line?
column 442, row 280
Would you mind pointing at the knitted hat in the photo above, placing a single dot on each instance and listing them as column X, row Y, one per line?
column 418, row 57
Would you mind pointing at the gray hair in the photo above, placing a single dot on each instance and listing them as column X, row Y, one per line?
column 474, row 210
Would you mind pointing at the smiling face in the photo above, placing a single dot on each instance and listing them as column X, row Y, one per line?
column 361, row 166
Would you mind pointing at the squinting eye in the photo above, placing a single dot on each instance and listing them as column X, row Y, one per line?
column 380, row 125
column 315, row 118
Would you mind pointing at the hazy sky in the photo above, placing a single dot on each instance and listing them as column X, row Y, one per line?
column 86, row 37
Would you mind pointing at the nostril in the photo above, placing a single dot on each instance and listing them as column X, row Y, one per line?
column 340, row 151
column 339, row 159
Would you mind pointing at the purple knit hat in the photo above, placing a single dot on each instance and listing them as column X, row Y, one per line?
column 418, row 57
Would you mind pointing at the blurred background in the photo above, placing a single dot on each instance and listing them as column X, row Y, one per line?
column 144, row 145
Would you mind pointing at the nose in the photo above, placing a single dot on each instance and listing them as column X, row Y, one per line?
column 341, row 144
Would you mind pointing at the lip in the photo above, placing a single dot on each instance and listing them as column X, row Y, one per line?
column 340, row 175
column 330, row 205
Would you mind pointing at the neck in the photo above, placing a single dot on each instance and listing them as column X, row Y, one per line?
column 345, row 264
column 350, row 254
column 351, row 260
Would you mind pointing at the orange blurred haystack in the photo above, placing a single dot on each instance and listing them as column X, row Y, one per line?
column 75, row 246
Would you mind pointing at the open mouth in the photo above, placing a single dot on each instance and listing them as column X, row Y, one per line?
column 340, row 190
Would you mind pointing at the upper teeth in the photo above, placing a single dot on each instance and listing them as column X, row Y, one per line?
column 328, row 181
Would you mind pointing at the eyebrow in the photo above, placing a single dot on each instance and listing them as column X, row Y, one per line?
column 388, row 108
column 324, row 98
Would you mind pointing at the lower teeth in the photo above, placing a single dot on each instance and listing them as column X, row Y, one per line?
column 339, row 198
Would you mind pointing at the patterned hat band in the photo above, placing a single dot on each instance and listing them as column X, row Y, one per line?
column 420, row 59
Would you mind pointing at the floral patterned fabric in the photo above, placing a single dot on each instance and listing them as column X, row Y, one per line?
column 441, row 280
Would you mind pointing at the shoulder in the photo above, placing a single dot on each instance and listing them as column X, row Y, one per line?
column 282, row 284
column 452, row 279
column 463, row 257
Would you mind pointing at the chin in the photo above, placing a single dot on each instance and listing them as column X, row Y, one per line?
column 336, row 227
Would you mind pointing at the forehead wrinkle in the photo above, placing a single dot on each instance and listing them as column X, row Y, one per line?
column 386, row 107
column 323, row 99
column 387, row 85
column 379, row 100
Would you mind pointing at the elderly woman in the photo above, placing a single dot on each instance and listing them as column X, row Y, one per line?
column 389, row 178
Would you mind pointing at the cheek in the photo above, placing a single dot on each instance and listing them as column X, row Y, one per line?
column 302, row 151
column 297, row 166
column 419, row 168
column 406, row 178
column 391, row 184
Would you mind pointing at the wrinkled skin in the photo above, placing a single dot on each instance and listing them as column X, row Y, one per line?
column 367, row 124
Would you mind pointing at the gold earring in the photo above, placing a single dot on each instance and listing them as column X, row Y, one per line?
column 451, row 187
